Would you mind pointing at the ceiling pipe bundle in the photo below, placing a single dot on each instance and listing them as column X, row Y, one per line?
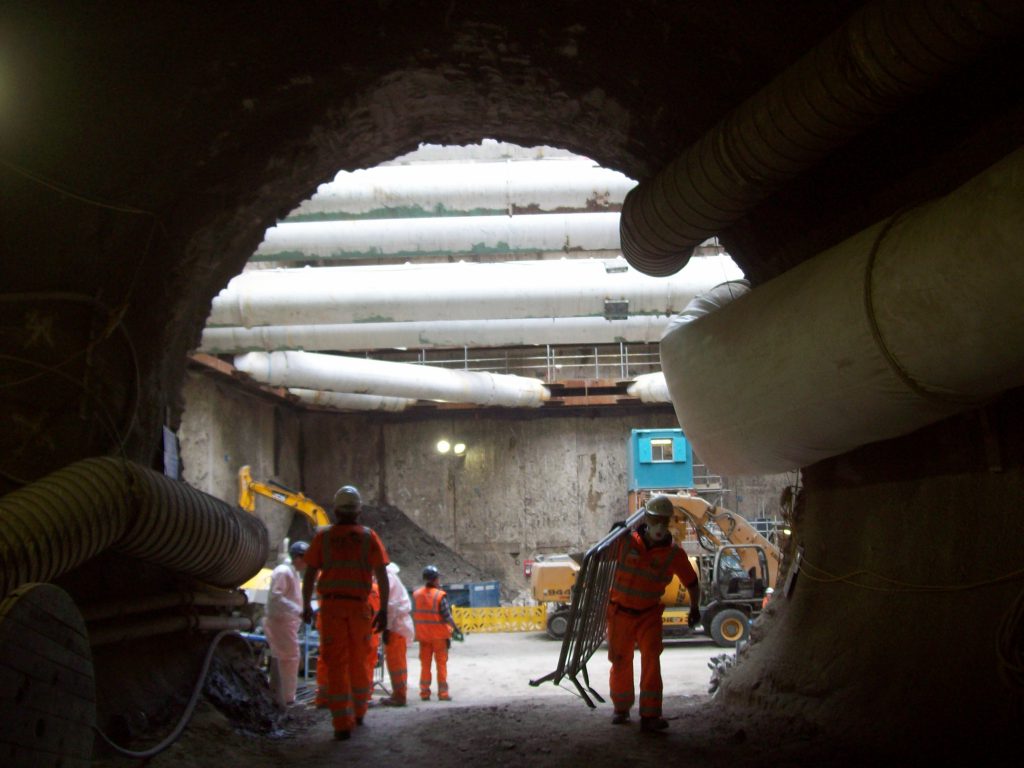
column 559, row 185
column 884, row 54
column 509, row 290
column 310, row 370
column 418, row 237
column 60, row 521
column 908, row 322
column 427, row 334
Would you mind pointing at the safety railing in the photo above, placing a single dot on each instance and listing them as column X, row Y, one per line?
column 621, row 360
column 588, row 607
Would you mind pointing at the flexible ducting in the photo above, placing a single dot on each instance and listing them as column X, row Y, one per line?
column 71, row 515
column 911, row 320
column 309, row 370
column 885, row 53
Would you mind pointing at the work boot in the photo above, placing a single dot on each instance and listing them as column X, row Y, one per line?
column 342, row 735
column 359, row 721
column 620, row 718
column 424, row 697
column 653, row 724
column 391, row 701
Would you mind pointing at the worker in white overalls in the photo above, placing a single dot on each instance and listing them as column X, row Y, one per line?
column 281, row 624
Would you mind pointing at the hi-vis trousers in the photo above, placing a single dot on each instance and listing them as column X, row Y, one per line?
column 627, row 631
column 345, row 630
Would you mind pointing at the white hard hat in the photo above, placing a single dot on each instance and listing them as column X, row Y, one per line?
column 347, row 498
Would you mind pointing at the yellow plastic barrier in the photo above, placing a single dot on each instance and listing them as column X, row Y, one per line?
column 510, row 618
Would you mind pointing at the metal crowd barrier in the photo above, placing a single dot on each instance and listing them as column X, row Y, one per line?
column 587, row 612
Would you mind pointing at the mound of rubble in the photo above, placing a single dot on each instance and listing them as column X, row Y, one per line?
column 411, row 548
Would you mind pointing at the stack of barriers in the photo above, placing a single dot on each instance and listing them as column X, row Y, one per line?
column 587, row 612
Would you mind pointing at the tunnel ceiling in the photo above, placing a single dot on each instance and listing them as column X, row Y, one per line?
column 147, row 147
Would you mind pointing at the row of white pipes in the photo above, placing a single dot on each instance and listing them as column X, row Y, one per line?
column 467, row 189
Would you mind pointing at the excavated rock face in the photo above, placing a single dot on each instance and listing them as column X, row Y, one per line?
column 152, row 146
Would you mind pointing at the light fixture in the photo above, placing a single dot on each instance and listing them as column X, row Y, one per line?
column 459, row 449
column 443, row 446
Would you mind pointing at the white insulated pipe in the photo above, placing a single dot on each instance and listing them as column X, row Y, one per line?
column 543, row 186
column 508, row 290
column 310, row 370
column 650, row 388
column 429, row 334
column 441, row 236
column 910, row 321
column 350, row 402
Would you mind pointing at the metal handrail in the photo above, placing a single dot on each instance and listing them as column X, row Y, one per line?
column 618, row 361
column 588, row 608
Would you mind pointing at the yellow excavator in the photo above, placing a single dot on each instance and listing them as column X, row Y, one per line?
column 248, row 490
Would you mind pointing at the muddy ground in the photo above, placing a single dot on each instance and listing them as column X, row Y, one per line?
column 498, row 719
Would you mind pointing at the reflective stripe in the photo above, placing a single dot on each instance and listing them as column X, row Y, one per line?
column 346, row 561
column 640, row 575
column 426, row 614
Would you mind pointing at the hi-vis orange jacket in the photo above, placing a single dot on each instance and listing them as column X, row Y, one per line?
column 643, row 573
column 426, row 613
column 346, row 556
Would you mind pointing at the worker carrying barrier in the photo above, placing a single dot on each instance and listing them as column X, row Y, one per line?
column 587, row 613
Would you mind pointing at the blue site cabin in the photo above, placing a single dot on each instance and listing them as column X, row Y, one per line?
column 659, row 459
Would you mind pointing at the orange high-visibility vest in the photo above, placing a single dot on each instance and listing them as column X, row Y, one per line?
column 426, row 614
column 346, row 556
column 642, row 574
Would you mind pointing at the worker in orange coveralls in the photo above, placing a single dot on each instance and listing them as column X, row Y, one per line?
column 648, row 558
column 434, row 626
column 349, row 556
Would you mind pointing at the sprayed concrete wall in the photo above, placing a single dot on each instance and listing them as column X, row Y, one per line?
column 224, row 428
column 524, row 487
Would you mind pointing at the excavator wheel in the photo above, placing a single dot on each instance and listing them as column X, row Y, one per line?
column 558, row 623
column 729, row 627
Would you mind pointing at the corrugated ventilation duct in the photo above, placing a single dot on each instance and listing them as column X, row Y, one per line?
column 64, row 519
column 885, row 53
column 912, row 320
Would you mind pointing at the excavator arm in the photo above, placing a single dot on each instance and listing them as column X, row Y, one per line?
column 249, row 489
column 717, row 526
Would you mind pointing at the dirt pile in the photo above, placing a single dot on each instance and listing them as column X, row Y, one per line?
column 411, row 548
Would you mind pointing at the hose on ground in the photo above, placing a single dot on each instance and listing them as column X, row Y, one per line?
column 186, row 716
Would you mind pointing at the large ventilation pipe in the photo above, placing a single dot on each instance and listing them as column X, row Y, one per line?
column 309, row 370
column 912, row 320
column 444, row 236
column 427, row 334
column 68, row 517
column 535, row 289
column 349, row 402
column 885, row 53
column 467, row 189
